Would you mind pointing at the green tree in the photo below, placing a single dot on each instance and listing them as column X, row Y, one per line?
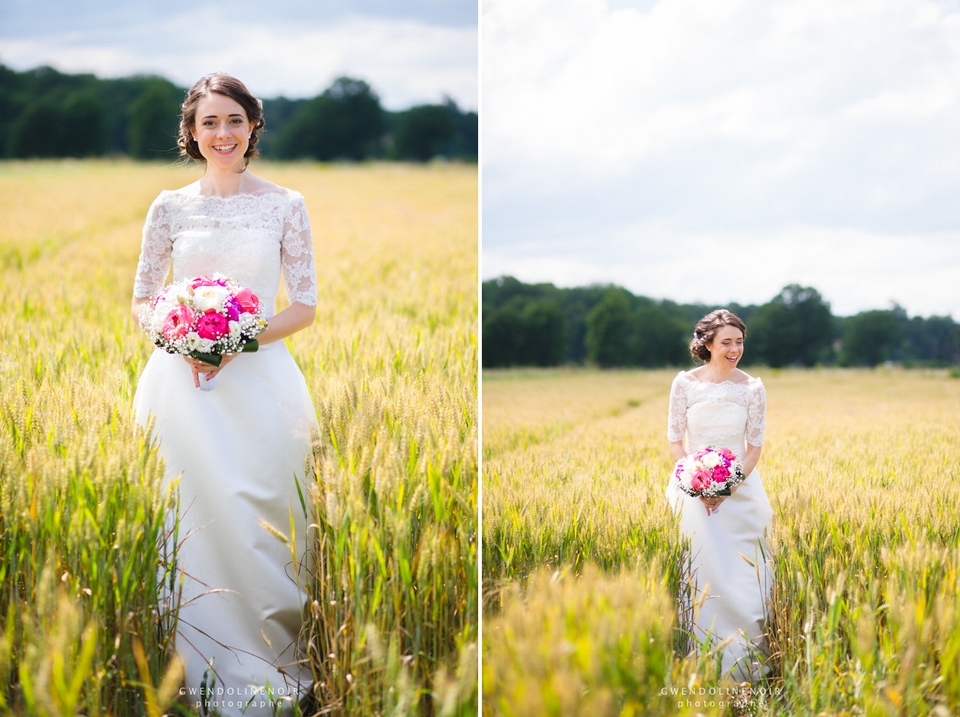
column 279, row 112
column 934, row 339
column 345, row 122
column 153, row 121
column 84, row 121
column 468, row 130
column 870, row 337
column 502, row 332
column 524, row 331
column 424, row 132
column 39, row 131
column 543, row 340
column 608, row 327
column 657, row 339
column 795, row 328
column 60, row 124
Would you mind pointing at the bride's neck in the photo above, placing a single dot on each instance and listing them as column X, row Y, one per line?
column 223, row 182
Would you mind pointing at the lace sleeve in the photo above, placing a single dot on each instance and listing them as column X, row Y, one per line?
column 155, row 252
column 677, row 416
column 296, row 254
column 756, row 414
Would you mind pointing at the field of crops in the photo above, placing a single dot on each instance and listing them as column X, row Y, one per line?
column 391, row 363
column 581, row 555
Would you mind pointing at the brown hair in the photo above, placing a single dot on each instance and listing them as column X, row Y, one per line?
column 707, row 329
column 228, row 86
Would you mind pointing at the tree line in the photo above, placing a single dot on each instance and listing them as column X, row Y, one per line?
column 543, row 325
column 46, row 113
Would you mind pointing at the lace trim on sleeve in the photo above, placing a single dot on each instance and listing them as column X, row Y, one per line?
column 296, row 255
column 155, row 252
column 756, row 414
column 677, row 416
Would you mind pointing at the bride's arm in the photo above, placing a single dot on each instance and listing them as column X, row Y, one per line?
column 750, row 459
column 292, row 319
column 677, row 450
column 287, row 322
column 677, row 418
column 137, row 306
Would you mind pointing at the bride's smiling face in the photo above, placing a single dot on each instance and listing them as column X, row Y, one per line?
column 222, row 130
column 726, row 347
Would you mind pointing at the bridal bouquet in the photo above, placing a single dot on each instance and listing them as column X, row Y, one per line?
column 205, row 317
column 708, row 472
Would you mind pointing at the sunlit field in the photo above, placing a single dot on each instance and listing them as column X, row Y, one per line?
column 391, row 363
column 582, row 561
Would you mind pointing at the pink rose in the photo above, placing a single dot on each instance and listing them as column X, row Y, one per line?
column 202, row 281
column 727, row 453
column 249, row 303
column 178, row 323
column 720, row 474
column 212, row 325
column 700, row 480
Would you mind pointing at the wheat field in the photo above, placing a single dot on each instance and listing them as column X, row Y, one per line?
column 391, row 363
column 582, row 560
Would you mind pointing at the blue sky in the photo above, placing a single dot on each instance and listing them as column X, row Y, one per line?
column 411, row 52
column 717, row 151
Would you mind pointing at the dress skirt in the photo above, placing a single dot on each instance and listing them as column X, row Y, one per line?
column 236, row 452
column 731, row 573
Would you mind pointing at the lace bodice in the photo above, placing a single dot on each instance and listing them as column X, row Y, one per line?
column 720, row 414
column 250, row 237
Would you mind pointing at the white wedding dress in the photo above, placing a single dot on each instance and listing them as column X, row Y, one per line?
column 731, row 568
column 237, row 450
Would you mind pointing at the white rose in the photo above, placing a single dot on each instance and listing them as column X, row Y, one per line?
column 711, row 460
column 209, row 297
column 234, row 329
column 193, row 341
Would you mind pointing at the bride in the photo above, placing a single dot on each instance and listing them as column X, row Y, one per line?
column 237, row 448
column 719, row 405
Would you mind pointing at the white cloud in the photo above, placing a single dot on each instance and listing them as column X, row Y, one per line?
column 731, row 118
column 406, row 61
column 615, row 87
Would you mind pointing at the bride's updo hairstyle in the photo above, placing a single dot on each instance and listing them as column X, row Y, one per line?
column 228, row 86
column 707, row 329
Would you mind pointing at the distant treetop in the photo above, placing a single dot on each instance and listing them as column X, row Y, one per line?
column 542, row 325
column 46, row 113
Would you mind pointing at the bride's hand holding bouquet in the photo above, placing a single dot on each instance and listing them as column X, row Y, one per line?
column 207, row 320
column 710, row 474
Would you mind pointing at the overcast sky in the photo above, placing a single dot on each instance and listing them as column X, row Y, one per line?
column 411, row 52
column 718, row 150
